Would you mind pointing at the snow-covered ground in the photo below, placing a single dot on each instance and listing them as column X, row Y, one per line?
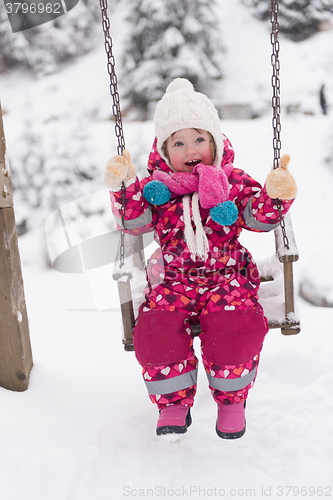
column 85, row 428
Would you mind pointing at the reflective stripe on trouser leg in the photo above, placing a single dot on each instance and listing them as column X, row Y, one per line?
column 231, row 384
column 173, row 384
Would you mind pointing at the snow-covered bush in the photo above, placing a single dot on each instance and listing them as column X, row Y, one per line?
column 168, row 39
column 50, row 170
column 43, row 48
column 299, row 19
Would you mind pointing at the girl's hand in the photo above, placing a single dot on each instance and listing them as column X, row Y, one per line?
column 118, row 169
column 280, row 183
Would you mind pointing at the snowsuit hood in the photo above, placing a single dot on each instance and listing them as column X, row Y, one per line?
column 156, row 162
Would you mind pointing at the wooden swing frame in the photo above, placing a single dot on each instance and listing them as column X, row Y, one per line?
column 131, row 248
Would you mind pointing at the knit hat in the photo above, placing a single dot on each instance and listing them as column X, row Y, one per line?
column 182, row 107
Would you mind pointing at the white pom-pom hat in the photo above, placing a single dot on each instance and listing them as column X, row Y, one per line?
column 182, row 107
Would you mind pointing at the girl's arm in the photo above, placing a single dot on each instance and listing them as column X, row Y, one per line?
column 139, row 215
column 129, row 207
column 258, row 211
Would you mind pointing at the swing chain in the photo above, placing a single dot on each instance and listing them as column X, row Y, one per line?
column 276, row 103
column 275, row 82
column 111, row 67
column 122, row 233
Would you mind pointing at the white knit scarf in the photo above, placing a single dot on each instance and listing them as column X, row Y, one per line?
column 197, row 241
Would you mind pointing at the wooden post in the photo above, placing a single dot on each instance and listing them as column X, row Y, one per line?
column 127, row 313
column 134, row 257
column 15, row 350
column 292, row 326
column 288, row 287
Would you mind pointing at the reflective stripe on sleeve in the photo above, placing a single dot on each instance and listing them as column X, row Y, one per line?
column 253, row 223
column 173, row 384
column 140, row 221
column 231, row 384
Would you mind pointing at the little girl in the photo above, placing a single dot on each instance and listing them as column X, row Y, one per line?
column 197, row 203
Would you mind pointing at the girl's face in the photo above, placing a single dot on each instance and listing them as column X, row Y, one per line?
column 188, row 147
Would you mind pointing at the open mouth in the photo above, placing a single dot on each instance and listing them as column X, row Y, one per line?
column 192, row 163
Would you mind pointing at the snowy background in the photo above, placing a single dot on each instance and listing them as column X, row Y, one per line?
column 85, row 429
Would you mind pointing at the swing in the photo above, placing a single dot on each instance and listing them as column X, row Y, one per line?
column 130, row 258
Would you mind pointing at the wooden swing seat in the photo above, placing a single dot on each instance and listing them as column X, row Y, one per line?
column 135, row 263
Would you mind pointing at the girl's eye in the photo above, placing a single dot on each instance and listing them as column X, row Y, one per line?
column 178, row 143
column 200, row 139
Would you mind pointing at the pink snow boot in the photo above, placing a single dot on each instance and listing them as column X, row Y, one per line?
column 173, row 419
column 231, row 420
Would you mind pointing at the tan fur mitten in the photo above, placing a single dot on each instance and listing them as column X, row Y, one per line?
column 280, row 183
column 118, row 169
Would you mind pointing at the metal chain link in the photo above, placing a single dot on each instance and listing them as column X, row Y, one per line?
column 111, row 67
column 276, row 103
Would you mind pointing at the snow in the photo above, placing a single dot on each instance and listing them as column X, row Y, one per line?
column 318, row 287
column 85, row 428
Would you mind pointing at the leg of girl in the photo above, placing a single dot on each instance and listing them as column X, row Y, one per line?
column 231, row 345
column 164, row 348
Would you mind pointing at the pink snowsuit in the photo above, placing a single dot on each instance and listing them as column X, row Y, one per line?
column 220, row 294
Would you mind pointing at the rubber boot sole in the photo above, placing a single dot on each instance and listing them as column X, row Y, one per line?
column 175, row 429
column 230, row 435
